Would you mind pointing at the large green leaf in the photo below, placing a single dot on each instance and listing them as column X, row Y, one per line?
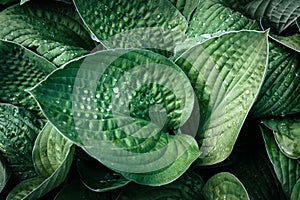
column 296, row 191
column 4, row 174
column 49, row 150
column 213, row 18
column 36, row 187
column 287, row 134
column 98, row 177
column 186, row 7
column 153, row 24
column 20, row 69
column 286, row 169
column 280, row 13
column 124, row 108
column 280, row 92
column 226, row 73
column 18, row 130
column 224, row 186
column 289, row 41
column 52, row 30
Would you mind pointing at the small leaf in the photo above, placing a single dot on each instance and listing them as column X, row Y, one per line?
column 291, row 42
column 133, row 23
column 49, row 150
column 52, row 30
column 280, row 13
column 186, row 7
column 226, row 73
column 212, row 18
column 99, row 178
column 286, row 169
column 4, row 174
column 224, row 186
column 296, row 191
column 18, row 130
column 279, row 94
column 21, row 69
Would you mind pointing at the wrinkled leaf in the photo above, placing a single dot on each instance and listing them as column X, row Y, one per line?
column 99, row 178
column 226, row 73
column 286, row 169
column 21, row 69
column 122, row 107
column 52, row 30
column 224, row 186
column 18, row 130
column 49, row 151
column 186, row 7
column 280, row 13
column 134, row 23
column 212, row 18
column 4, row 174
column 292, row 41
column 296, row 191
column 280, row 91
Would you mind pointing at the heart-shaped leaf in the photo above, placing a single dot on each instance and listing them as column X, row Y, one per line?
column 186, row 7
column 4, row 174
column 52, row 30
column 133, row 23
column 18, row 130
column 224, row 186
column 226, row 73
column 21, row 69
column 279, row 94
column 280, row 13
column 286, row 169
column 123, row 107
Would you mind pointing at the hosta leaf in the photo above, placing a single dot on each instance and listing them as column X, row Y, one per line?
column 186, row 7
column 287, row 135
column 187, row 187
column 227, row 73
column 148, row 24
column 52, row 30
column 18, row 130
column 98, row 177
column 4, row 2
column 224, row 186
column 280, row 13
column 296, row 191
column 286, row 169
column 280, row 92
column 20, row 69
column 123, row 108
column 49, row 150
column 289, row 41
column 4, row 174
column 35, row 188
column 213, row 18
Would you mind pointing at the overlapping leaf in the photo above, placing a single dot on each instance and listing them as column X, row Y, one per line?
column 286, row 169
column 226, row 73
column 280, row 92
column 123, row 107
column 186, row 7
column 296, row 191
column 18, row 130
column 280, row 13
column 53, row 30
column 4, row 174
column 144, row 24
column 224, row 186
column 289, row 41
column 20, row 69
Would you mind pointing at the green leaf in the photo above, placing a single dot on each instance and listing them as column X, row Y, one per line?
column 18, row 130
column 280, row 13
column 122, row 107
column 226, row 73
column 280, row 91
column 4, row 2
column 21, row 69
column 296, row 191
column 52, row 30
column 289, row 41
column 287, row 135
column 224, row 186
column 187, row 187
column 4, row 174
column 99, row 178
column 212, row 18
column 186, row 7
column 49, row 150
column 286, row 169
column 35, row 188
column 133, row 23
